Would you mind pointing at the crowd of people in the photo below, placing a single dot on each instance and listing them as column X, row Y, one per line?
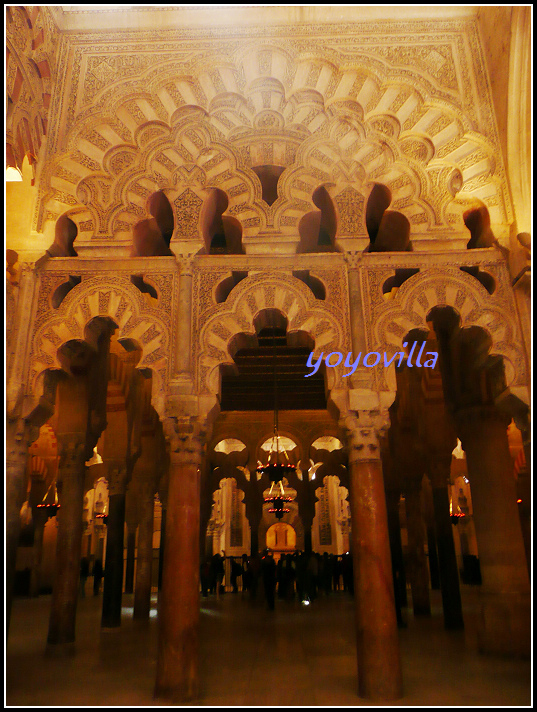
column 299, row 575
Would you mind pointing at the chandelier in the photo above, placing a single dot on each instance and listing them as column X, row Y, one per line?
column 49, row 508
column 278, row 464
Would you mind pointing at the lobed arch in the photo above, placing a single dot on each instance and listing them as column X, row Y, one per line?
column 469, row 299
column 324, row 323
column 404, row 122
column 106, row 296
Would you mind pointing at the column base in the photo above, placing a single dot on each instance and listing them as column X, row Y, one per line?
column 181, row 693
column 504, row 626
column 60, row 650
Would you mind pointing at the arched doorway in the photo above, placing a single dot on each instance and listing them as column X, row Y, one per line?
column 281, row 539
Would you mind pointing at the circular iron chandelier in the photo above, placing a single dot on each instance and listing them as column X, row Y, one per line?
column 278, row 464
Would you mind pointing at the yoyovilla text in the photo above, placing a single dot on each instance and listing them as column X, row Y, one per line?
column 372, row 358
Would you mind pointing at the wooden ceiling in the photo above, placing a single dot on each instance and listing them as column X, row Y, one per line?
column 251, row 384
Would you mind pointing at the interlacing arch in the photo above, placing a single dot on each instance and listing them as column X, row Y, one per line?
column 106, row 297
column 476, row 307
column 322, row 121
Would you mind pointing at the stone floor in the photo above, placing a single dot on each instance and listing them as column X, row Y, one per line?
column 292, row 656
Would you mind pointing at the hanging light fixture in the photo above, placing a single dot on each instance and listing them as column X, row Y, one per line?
column 50, row 508
column 278, row 463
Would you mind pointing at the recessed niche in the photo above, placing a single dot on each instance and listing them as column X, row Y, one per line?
column 314, row 284
column 484, row 278
column 63, row 290
column 400, row 276
column 269, row 176
column 144, row 287
column 223, row 289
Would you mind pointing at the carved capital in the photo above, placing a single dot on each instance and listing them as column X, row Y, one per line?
column 353, row 259
column 364, row 429
column 478, row 422
column 187, row 438
column 19, row 436
column 439, row 468
column 118, row 478
column 72, row 449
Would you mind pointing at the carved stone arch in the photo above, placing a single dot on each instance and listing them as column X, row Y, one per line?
column 117, row 298
column 322, row 321
column 451, row 287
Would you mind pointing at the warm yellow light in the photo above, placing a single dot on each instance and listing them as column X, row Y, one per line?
column 13, row 174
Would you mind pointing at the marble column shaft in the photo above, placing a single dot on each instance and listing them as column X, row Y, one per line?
column 418, row 572
column 71, row 476
column 396, row 550
column 17, row 442
column 144, row 561
column 379, row 664
column 505, row 622
column 113, row 568
column 185, row 314
column 439, row 475
column 179, row 600
column 131, row 551
column 40, row 519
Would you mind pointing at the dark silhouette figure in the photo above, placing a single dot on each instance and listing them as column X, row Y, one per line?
column 205, row 577
column 268, row 567
column 84, row 573
column 217, row 573
column 98, row 573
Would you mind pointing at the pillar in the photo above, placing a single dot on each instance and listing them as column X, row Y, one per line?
column 71, row 475
column 162, row 542
column 379, row 664
column 40, row 518
column 144, row 561
column 505, row 621
column 184, row 310
column 131, row 549
column 439, row 474
column 396, row 550
column 418, row 572
column 19, row 436
column 178, row 616
column 115, row 525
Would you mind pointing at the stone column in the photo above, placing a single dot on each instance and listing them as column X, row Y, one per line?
column 418, row 572
column 162, row 542
column 184, row 310
column 396, row 550
column 115, row 525
column 19, row 436
column 379, row 664
column 178, row 645
column 362, row 376
column 144, row 562
column 71, row 475
column 505, row 622
column 40, row 518
column 439, row 473
column 131, row 550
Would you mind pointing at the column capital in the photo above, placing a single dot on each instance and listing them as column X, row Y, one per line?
column 475, row 421
column 353, row 259
column 363, row 429
column 118, row 477
column 439, row 468
column 20, row 434
column 187, row 265
column 187, row 438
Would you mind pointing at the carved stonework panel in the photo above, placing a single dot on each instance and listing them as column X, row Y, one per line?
column 327, row 103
